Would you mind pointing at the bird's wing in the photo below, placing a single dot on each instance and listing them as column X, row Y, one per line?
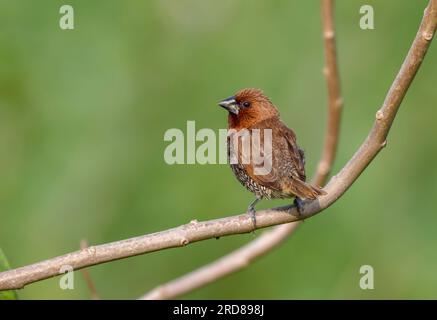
column 294, row 183
column 297, row 155
column 297, row 185
column 264, row 172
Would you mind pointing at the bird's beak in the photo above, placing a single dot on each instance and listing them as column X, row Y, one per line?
column 230, row 104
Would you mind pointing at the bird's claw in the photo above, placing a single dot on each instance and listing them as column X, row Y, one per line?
column 252, row 213
column 298, row 203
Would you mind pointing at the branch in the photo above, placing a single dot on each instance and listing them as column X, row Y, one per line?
column 244, row 256
column 197, row 231
column 230, row 263
column 335, row 102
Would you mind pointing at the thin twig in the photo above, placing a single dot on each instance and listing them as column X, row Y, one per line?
column 335, row 102
column 87, row 276
column 244, row 256
column 197, row 231
column 230, row 263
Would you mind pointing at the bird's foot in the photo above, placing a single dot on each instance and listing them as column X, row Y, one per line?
column 298, row 203
column 252, row 214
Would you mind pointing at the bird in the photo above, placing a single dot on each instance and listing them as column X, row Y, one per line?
column 250, row 109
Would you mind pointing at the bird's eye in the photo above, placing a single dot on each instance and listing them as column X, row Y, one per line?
column 246, row 104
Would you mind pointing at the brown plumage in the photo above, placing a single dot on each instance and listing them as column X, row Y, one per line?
column 251, row 109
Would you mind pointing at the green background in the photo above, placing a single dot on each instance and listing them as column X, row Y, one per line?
column 83, row 115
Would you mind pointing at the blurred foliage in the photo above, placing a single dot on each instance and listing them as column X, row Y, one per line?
column 4, row 265
column 83, row 114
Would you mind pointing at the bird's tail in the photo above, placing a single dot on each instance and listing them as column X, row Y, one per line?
column 303, row 190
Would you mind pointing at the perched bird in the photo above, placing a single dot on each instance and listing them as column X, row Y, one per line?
column 250, row 109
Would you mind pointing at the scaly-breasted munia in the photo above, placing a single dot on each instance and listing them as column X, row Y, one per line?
column 250, row 109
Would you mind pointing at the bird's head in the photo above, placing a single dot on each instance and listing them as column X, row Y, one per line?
column 248, row 107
